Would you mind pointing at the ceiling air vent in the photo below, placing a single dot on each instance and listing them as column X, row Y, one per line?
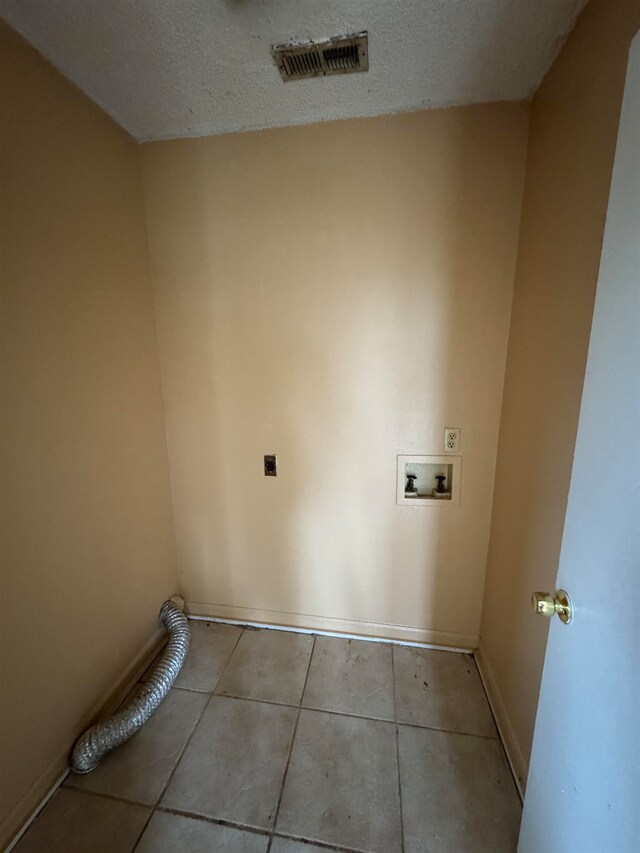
column 339, row 55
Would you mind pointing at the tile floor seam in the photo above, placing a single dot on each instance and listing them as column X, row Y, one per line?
column 183, row 750
column 253, row 699
column 212, row 692
column 143, row 830
column 254, row 830
column 305, row 707
column 353, row 716
column 348, row 714
column 192, row 690
column 217, row 821
column 170, row 777
column 323, row 845
column 293, row 738
column 111, row 797
column 395, row 720
column 447, row 731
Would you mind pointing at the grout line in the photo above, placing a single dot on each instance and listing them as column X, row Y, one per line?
column 218, row 821
column 293, row 737
column 354, row 716
column 226, row 663
column 254, row 830
column 193, row 690
column 312, row 708
column 398, row 724
column 215, row 820
column 252, row 699
column 113, row 797
column 184, row 749
column 175, row 767
column 395, row 718
column 323, row 845
column 305, row 707
column 448, row 731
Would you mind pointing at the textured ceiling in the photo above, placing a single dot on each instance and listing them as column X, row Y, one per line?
column 175, row 68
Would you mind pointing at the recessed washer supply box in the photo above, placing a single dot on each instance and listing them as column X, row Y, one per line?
column 424, row 470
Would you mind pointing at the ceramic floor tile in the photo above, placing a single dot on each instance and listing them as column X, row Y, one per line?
column 269, row 665
column 457, row 794
column 342, row 783
column 352, row 677
column 234, row 764
column 169, row 833
column 441, row 690
column 139, row 769
column 209, row 650
column 76, row 822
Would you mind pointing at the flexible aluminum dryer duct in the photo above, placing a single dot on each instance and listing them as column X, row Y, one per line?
column 101, row 738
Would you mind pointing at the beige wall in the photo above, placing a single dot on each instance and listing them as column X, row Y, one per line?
column 574, row 122
column 336, row 294
column 88, row 551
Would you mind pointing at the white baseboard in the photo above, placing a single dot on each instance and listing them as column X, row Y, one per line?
column 508, row 737
column 331, row 626
column 16, row 823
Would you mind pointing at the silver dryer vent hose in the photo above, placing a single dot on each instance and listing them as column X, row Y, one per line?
column 101, row 738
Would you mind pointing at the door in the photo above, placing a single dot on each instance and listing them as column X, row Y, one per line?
column 583, row 791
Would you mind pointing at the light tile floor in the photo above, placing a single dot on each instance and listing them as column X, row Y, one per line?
column 275, row 742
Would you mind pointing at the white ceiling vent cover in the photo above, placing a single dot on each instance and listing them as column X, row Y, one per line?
column 339, row 55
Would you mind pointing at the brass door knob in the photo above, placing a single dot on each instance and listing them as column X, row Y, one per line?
column 546, row 604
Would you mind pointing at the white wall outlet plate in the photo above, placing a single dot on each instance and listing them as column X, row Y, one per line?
column 452, row 439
